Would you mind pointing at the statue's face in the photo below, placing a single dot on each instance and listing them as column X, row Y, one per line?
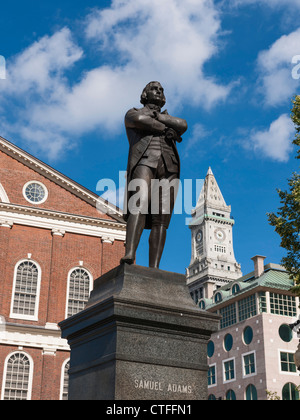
column 155, row 94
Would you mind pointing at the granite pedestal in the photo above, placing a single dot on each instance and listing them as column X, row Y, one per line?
column 140, row 337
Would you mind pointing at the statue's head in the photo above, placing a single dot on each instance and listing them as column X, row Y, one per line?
column 153, row 93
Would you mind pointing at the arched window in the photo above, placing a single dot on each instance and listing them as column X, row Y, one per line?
column 290, row 392
column 26, row 291
column 230, row 395
column 251, row 393
column 17, row 380
column 202, row 305
column 218, row 297
column 235, row 289
column 79, row 287
column 64, row 386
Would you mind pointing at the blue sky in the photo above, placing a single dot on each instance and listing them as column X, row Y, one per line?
column 74, row 68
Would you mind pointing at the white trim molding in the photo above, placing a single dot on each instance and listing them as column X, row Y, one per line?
column 61, row 223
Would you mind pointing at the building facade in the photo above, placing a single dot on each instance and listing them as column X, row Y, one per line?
column 253, row 352
column 213, row 263
column 56, row 237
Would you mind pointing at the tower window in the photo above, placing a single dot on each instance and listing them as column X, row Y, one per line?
column 220, row 248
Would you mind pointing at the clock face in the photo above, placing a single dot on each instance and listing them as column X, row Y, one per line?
column 220, row 235
column 199, row 236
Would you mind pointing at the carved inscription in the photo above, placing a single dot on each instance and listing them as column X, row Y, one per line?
column 161, row 386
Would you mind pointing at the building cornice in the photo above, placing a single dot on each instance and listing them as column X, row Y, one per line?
column 33, row 336
column 48, row 219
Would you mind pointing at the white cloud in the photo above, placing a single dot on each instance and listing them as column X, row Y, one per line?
column 269, row 3
column 36, row 77
column 276, row 69
column 40, row 68
column 276, row 142
column 169, row 41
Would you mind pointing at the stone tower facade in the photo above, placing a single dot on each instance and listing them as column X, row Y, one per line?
column 213, row 262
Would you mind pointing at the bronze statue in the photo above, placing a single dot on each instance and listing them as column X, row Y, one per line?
column 153, row 155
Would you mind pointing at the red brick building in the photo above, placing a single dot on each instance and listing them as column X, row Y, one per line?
column 54, row 242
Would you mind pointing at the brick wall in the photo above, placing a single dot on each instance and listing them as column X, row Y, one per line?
column 14, row 175
column 47, row 371
column 56, row 255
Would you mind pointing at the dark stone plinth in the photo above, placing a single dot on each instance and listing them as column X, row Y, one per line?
column 140, row 337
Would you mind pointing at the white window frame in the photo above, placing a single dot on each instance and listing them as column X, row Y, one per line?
column 216, row 383
column 281, row 372
column 37, row 301
column 42, row 185
column 3, row 196
column 243, row 364
column 225, row 381
column 62, row 378
column 31, row 364
column 68, row 284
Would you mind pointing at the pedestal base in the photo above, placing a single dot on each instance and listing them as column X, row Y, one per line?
column 140, row 337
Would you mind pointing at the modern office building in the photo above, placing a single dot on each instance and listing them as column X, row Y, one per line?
column 253, row 352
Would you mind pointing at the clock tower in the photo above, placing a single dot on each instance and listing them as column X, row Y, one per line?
column 213, row 262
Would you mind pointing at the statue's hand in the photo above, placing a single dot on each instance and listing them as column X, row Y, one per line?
column 172, row 135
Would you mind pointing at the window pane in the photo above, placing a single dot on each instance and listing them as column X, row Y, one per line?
column 287, row 362
column 285, row 333
column 247, row 307
column 228, row 316
column 249, row 364
column 228, row 342
column 251, row 393
column 230, row 395
column 283, row 305
column 65, row 392
column 17, row 377
column 79, row 291
column 210, row 348
column 211, row 375
column 290, row 392
column 26, row 285
column 229, row 370
column 248, row 335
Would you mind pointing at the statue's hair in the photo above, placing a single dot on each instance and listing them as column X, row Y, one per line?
column 145, row 91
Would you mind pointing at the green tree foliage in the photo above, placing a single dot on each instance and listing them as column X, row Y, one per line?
column 287, row 220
